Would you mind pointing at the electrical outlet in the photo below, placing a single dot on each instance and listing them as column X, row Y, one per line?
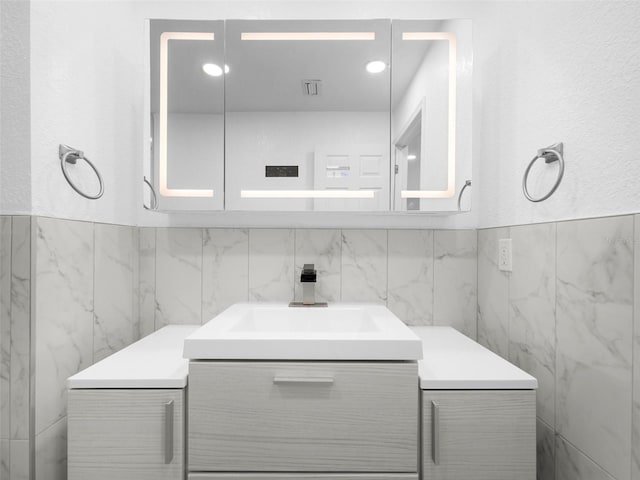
column 504, row 255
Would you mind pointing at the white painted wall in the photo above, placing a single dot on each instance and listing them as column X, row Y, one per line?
column 543, row 72
column 546, row 72
column 15, row 167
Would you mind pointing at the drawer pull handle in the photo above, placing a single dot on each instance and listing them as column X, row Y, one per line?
column 281, row 379
column 435, row 432
column 168, row 432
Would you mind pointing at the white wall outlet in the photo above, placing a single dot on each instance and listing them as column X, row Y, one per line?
column 504, row 255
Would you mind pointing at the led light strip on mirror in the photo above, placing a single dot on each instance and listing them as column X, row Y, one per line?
column 307, row 194
column 308, row 36
column 163, row 188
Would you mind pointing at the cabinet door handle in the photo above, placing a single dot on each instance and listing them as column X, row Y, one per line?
column 285, row 379
column 435, row 432
column 168, row 431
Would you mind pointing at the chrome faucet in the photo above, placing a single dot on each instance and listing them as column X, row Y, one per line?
column 308, row 279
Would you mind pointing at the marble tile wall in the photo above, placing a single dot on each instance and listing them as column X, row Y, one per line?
column 219, row 267
column 15, row 317
column 565, row 314
column 85, row 301
column 5, row 346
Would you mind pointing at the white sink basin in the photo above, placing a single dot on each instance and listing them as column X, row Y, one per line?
column 275, row 331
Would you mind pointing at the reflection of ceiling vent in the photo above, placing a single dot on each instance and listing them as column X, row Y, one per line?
column 311, row 88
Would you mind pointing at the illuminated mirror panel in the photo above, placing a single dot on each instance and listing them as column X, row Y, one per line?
column 187, row 114
column 306, row 115
column 301, row 104
column 430, row 111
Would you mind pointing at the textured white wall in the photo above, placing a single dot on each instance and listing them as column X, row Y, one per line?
column 543, row 72
column 15, row 167
column 546, row 72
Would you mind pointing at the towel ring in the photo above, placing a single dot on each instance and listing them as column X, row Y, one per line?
column 154, row 199
column 71, row 155
column 467, row 183
column 550, row 155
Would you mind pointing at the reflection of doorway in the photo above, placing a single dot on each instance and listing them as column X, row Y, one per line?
column 408, row 148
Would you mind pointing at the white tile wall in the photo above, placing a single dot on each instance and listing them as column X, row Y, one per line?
column 573, row 465
column 364, row 266
column 178, row 276
column 635, row 452
column 493, row 293
column 271, row 264
column 532, row 320
column 455, row 285
column 594, row 335
column 20, row 327
column 63, row 311
column 116, row 259
column 5, row 328
column 570, row 300
column 146, row 280
column 571, row 280
column 410, row 275
column 225, row 269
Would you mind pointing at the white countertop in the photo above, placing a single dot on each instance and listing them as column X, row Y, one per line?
column 153, row 362
column 452, row 361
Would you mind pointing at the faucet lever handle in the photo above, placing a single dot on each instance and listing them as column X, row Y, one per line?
column 308, row 273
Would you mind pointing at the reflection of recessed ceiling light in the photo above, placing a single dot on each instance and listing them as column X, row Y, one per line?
column 376, row 66
column 214, row 70
column 411, row 157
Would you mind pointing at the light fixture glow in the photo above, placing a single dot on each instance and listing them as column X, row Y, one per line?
column 376, row 66
column 212, row 69
column 307, row 193
column 411, row 157
column 308, row 36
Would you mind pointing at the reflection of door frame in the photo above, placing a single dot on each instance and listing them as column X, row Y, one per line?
column 400, row 157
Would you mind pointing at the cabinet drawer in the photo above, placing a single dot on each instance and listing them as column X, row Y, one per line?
column 303, row 476
column 303, row 416
column 127, row 434
column 479, row 434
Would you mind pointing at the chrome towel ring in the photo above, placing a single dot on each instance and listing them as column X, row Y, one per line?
column 551, row 154
column 71, row 155
column 466, row 184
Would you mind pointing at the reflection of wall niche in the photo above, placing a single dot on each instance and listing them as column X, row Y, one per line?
column 305, row 115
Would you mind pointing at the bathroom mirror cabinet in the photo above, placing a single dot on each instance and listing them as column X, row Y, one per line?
column 309, row 115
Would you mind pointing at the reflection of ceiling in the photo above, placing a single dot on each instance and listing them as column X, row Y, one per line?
column 268, row 75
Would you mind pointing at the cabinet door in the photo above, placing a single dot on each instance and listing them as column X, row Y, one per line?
column 303, row 417
column 126, row 434
column 479, row 434
column 303, row 476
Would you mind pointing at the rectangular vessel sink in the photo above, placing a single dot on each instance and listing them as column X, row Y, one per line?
column 275, row 331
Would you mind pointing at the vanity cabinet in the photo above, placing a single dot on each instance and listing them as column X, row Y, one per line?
column 126, row 434
column 303, row 417
column 305, row 476
column 478, row 435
